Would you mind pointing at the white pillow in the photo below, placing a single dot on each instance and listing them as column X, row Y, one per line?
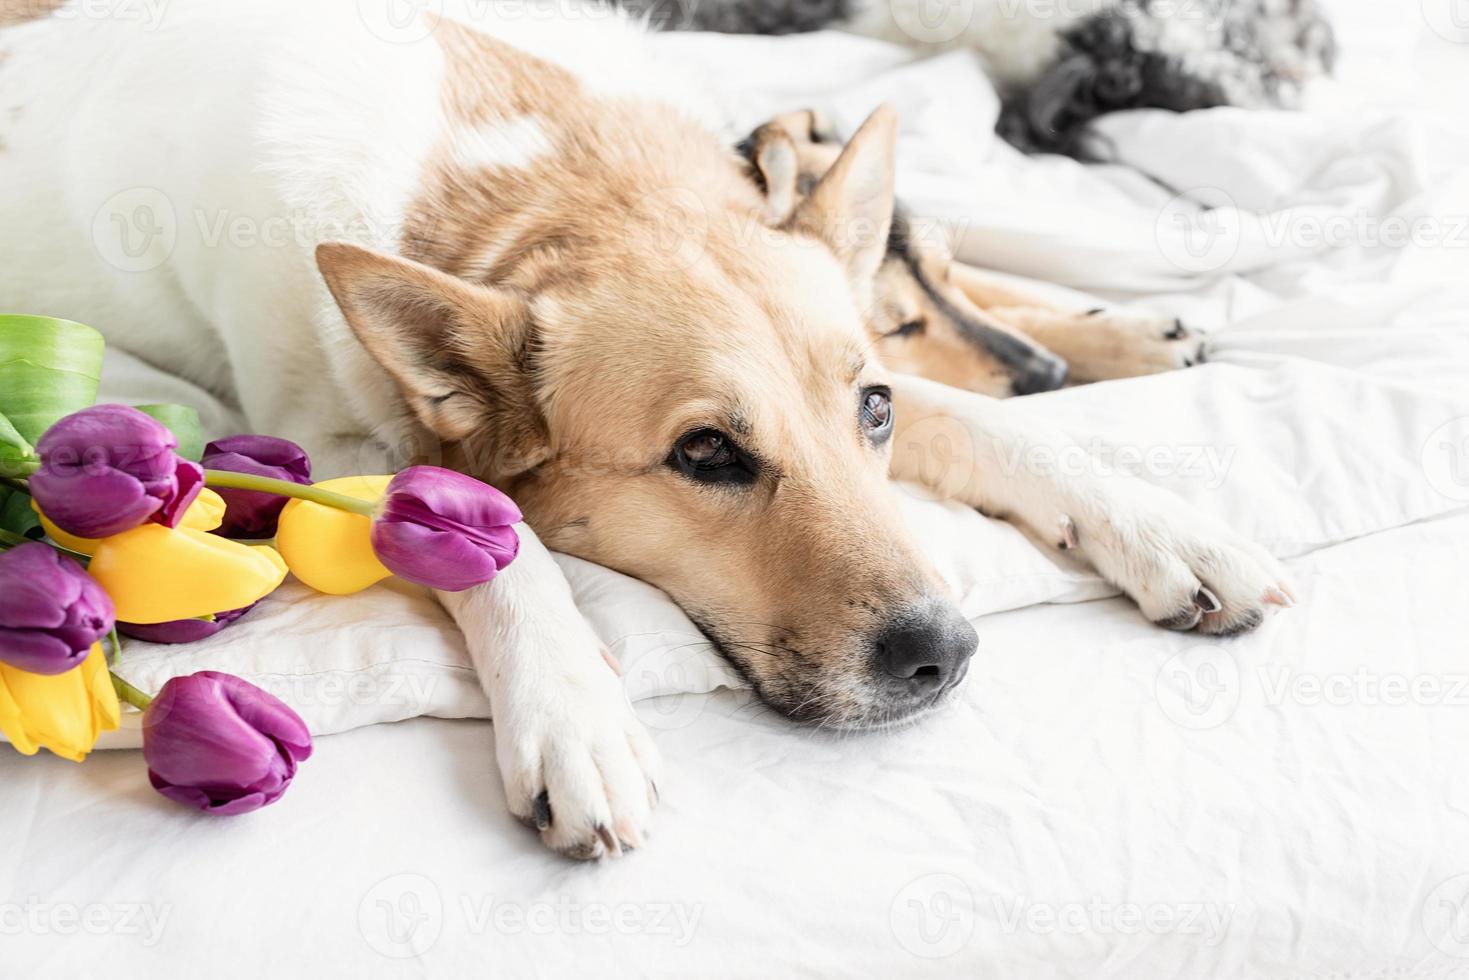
column 1303, row 455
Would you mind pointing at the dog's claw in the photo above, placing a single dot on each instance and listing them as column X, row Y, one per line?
column 628, row 835
column 612, row 661
column 540, row 813
column 1207, row 601
column 1277, row 596
column 1068, row 534
column 609, row 840
column 1178, row 332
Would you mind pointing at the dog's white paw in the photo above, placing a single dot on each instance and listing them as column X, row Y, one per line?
column 1125, row 344
column 1185, row 570
column 578, row 766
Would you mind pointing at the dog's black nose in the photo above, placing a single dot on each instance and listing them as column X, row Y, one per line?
column 1039, row 374
column 921, row 651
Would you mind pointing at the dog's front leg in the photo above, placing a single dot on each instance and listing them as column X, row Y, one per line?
column 576, row 762
column 1183, row 568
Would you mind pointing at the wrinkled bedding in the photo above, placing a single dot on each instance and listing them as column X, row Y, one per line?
column 1106, row 799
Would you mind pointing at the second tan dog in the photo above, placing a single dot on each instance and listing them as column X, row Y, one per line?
column 950, row 322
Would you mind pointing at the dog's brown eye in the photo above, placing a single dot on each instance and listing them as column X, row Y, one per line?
column 877, row 413
column 705, row 448
column 908, row 329
column 708, row 455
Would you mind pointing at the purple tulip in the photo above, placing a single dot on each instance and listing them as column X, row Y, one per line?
column 51, row 612
column 182, row 630
column 443, row 529
column 250, row 513
column 222, row 745
column 109, row 468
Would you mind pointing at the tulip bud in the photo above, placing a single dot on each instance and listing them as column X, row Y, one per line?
column 443, row 529
column 51, row 612
column 251, row 513
column 182, row 630
column 204, row 514
column 331, row 549
column 222, row 745
column 109, row 468
column 62, row 712
column 157, row 574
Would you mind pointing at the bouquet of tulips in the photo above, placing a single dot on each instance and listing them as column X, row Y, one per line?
column 120, row 520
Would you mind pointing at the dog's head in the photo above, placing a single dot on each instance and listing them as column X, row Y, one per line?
column 919, row 321
column 674, row 384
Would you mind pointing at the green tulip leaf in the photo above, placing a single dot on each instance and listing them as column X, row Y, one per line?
column 16, row 515
column 184, row 423
column 49, row 368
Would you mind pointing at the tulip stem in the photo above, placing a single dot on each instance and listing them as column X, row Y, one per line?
column 285, row 488
column 126, row 692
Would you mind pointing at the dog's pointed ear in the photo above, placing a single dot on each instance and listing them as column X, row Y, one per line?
column 775, row 161
column 851, row 207
column 458, row 351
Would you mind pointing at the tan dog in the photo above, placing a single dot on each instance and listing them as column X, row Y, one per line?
column 543, row 272
column 954, row 323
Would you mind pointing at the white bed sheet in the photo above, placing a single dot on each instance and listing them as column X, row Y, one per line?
column 1075, row 816
column 1108, row 799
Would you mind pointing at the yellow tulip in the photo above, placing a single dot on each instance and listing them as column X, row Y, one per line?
column 330, row 549
column 205, row 514
column 156, row 574
column 63, row 712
